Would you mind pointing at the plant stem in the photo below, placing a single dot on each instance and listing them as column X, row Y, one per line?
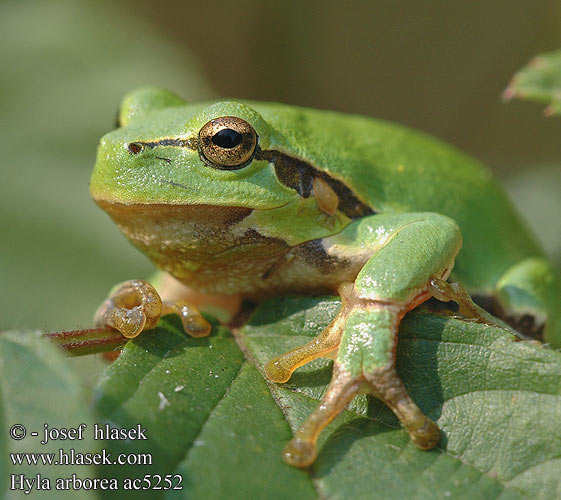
column 88, row 341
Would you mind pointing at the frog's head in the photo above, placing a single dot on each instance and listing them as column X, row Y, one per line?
column 169, row 152
column 201, row 175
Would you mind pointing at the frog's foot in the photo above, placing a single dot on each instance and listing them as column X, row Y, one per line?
column 386, row 385
column 135, row 306
column 395, row 280
column 528, row 297
column 301, row 450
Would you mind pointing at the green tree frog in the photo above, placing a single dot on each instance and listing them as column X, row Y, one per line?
column 249, row 199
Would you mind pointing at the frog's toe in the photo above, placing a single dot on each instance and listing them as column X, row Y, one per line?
column 132, row 307
column 196, row 327
column 130, row 322
column 193, row 322
column 427, row 435
column 445, row 292
column 276, row 372
column 300, row 453
column 386, row 385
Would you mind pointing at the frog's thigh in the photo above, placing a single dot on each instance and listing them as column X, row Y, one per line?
column 531, row 290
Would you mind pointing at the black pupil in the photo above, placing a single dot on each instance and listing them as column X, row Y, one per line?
column 227, row 138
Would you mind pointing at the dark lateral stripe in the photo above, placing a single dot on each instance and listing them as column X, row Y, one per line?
column 315, row 255
column 292, row 172
column 181, row 143
column 299, row 175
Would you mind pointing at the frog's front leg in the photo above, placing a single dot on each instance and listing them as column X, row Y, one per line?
column 135, row 306
column 325, row 345
column 365, row 364
column 408, row 251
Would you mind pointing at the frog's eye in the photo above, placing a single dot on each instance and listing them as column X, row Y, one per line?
column 227, row 143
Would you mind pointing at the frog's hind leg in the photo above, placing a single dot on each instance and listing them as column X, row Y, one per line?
column 444, row 291
column 528, row 296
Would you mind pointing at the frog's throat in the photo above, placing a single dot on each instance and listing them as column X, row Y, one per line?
column 212, row 249
column 182, row 234
column 183, row 239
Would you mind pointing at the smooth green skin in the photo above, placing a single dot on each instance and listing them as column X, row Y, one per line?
column 407, row 250
column 392, row 169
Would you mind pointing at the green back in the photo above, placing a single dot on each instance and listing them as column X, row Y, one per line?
column 396, row 169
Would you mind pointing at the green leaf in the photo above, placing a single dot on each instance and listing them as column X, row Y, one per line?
column 38, row 387
column 539, row 80
column 211, row 417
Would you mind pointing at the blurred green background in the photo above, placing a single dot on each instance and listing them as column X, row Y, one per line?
column 437, row 66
